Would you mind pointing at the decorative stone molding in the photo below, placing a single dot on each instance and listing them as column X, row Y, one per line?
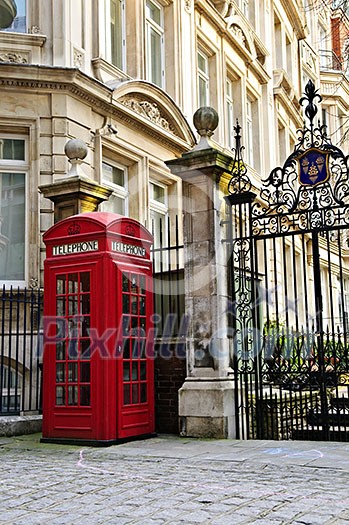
column 13, row 58
column 308, row 56
column 148, row 110
column 188, row 5
column 35, row 30
column 223, row 6
column 33, row 283
column 78, row 58
column 240, row 32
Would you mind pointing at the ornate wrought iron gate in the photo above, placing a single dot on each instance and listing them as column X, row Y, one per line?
column 289, row 282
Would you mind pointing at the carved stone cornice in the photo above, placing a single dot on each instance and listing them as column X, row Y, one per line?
column 145, row 116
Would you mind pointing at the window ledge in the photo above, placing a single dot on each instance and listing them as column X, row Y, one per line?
column 26, row 39
column 107, row 72
column 21, row 48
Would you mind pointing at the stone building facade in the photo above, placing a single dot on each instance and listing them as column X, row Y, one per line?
column 126, row 76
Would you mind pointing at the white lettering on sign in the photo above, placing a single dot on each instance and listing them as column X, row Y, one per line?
column 130, row 249
column 75, row 247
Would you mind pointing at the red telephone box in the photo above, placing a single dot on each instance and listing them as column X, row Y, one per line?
column 98, row 363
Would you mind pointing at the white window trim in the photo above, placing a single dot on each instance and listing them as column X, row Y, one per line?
column 19, row 166
column 105, row 30
column 160, row 30
column 118, row 191
column 249, row 134
column 205, row 76
column 155, row 205
column 230, row 112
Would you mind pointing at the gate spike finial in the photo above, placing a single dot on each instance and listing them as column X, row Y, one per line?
column 239, row 182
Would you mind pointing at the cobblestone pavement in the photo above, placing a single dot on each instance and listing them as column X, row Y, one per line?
column 169, row 480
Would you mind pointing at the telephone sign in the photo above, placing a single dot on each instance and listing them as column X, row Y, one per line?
column 98, row 368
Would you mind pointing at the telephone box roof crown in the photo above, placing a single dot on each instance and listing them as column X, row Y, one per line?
column 98, row 221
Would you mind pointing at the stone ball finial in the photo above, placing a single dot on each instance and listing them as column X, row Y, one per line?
column 205, row 121
column 76, row 149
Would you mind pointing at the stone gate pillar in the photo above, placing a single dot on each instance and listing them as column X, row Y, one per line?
column 206, row 399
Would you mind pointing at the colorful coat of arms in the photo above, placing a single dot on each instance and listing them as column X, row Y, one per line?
column 313, row 167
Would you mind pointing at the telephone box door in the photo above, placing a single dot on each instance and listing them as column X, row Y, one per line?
column 136, row 342
column 71, row 382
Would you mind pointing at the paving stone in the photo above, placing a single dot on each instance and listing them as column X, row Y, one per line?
column 172, row 481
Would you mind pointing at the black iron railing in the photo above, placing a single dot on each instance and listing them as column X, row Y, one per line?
column 20, row 359
column 168, row 261
column 329, row 61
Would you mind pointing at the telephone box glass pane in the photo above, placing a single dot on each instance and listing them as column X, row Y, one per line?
column 125, row 282
column 142, row 284
column 127, row 399
column 125, row 304
column 135, row 349
column 135, row 371
column 142, row 306
column 126, row 352
column 125, row 324
column 143, row 392
column 85, row 345
column 73, row 283
column 135, row 397
column 60, row 284
column 85, row 395
column 73, row 305
column 126, row 368
column 85, row 372
column 61, row 328
column 85, row 326
column 85, row 281
column 143, row 370
column 60, row 395
column 133, row 283
column 61, row 310
column 73, row 349
column 60, row 372
column 142, row 347
column 85, row 304
column 72, row 372
column 134, row 304
column 60, row 350
column 72, row 395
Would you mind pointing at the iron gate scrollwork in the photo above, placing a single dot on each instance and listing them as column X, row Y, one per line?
column 289, row 283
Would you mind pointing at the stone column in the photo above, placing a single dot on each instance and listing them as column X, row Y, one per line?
column 75, row 193
column 206, row 399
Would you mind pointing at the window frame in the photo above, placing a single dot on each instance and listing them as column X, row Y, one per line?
column 121, row 192
column 157, row 206
column 204, row 76
column 229, row 104
column 249, row 131
column 152, row 25
column 19, row 167
column 106, row 18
